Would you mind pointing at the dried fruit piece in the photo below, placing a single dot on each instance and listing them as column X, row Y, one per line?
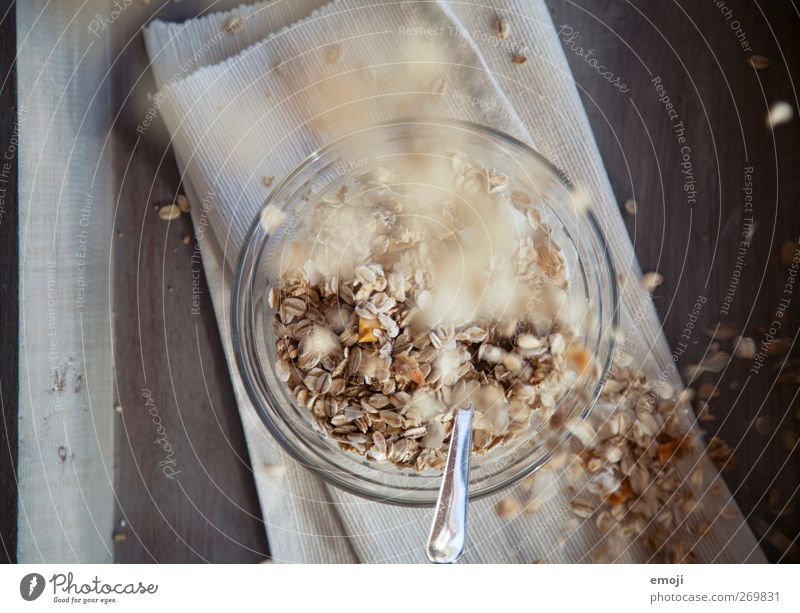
column 621, row 494
column 667, row 450
column 366, row 328
column 578, row 358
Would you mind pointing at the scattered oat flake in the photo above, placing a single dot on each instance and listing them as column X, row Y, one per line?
column 686, row 396
column 745, row 348
column 759, row 62
column 582, row 508
column 274, row 470
column 630, row 206
column 780, row 112
column 503, row 30
column 183, row 203
column 187, row 239
column 332, row 53
column 268, row 180
column 583, row 431
column 664, row 389
column 519, row 59
column 234, row 25
column 507, row 508
column 439, row 86
column 272, row 218
column 720, row 453
column 169, row 212
column 651, row 280
column 579, row 200
column 715, row 362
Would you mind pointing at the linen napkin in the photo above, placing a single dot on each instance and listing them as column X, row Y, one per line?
column 248, row 94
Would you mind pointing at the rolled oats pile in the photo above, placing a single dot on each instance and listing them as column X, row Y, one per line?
column 413, row 290
column 634, row 472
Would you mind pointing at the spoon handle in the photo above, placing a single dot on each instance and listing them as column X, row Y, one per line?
column 449, row 528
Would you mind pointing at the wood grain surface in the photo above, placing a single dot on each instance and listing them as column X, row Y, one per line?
column 697, row 52
column 170, row 358
column 194, row 501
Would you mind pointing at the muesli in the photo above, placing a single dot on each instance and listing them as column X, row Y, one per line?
column 414, row 291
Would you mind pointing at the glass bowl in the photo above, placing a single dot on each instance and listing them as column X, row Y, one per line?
column 575, row 229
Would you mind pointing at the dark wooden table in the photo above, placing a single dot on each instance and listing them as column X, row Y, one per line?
column 699, row 52
column 9, row 311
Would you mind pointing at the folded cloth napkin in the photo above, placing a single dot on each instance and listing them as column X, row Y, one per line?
column 248, row 94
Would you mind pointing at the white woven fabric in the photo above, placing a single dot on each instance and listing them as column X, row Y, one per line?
column 251, row 103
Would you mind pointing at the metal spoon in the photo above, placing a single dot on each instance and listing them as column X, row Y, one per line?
column 449, row 528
